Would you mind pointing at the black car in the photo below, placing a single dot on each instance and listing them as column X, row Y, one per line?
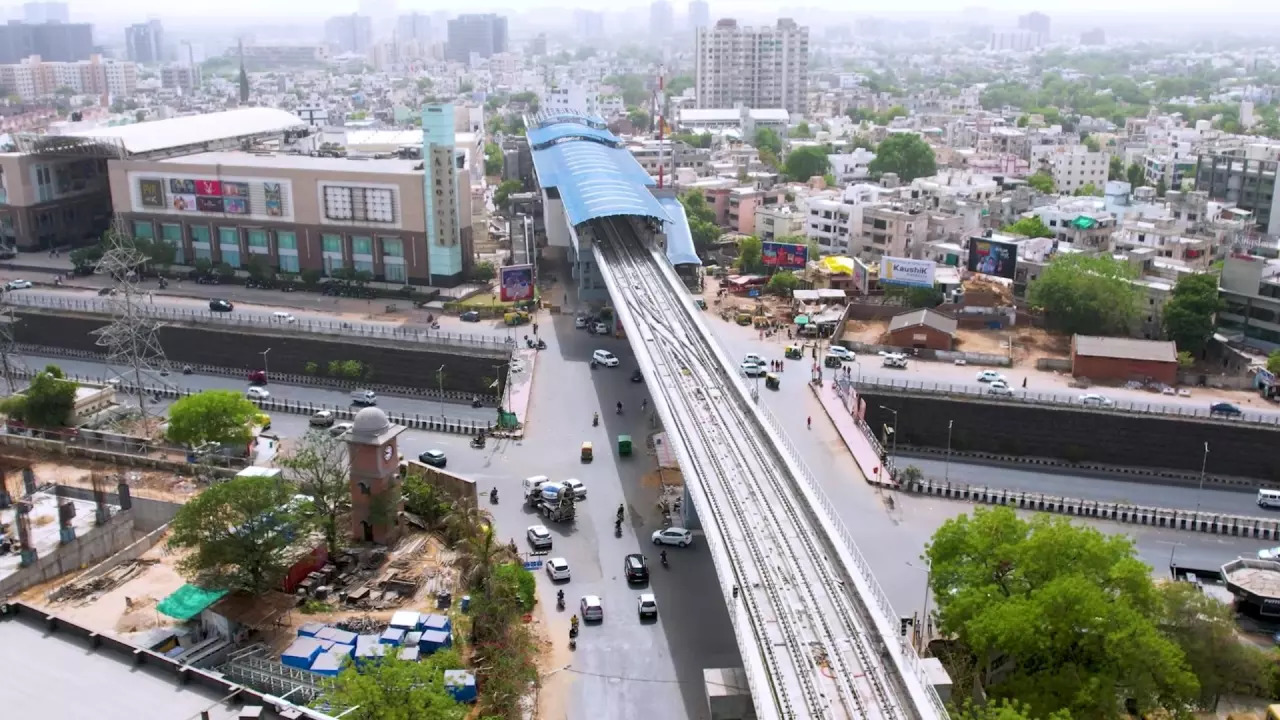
column 637, row 376
column 1225, row 409
column 220, row 306
column 636, row 568
column 470, row 316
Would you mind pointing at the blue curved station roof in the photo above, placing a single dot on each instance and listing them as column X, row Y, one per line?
column 594, row 176
column 680, row 250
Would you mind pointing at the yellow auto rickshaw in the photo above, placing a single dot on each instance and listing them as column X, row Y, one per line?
column 793, row 352
column 743, row 318
column 761, row 321
column 519, row 317
column 587, row 452
column 771, row 381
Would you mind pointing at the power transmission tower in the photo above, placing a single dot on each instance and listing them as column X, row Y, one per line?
column 132, row 340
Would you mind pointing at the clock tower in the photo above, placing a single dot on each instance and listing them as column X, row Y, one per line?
column 375, row 477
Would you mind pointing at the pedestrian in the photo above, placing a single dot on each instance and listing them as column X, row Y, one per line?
column 808, row 423
column 1024, row 383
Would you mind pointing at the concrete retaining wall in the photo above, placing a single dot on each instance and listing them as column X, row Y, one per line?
column 148, row 514
column 62, row 449
column 94, row 546
column 134, row 551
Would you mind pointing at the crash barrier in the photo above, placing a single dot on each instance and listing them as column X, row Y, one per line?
column 285, row 378
column 1025, row 397
column 1191, row 521
column 1156, row 474
column 106, row 306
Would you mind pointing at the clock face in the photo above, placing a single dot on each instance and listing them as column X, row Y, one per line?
column 387, row 452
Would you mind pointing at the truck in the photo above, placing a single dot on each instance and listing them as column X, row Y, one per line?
column 555, row 501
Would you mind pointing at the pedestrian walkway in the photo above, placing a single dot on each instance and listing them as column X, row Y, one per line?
column 840, row 401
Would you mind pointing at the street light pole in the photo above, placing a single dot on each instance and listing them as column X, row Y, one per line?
column 265, row 370
column 440, row 380
column 1204, row 462
column 947, row 472
column 894, row 452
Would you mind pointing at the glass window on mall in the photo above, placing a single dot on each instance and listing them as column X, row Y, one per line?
column 144, row 230
column 286, row 240
column 394, row 272
column 392, row 246
column 331, row 243
column 229, row 246
column 361, row 245
column 257, row 239
column 289, row 263
column 172, row 233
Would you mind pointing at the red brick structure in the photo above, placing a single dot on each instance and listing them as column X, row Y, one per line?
column 376, row 501
column 924, row 329
column 1113, row 359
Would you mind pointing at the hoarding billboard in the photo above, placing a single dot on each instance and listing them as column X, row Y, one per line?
column 182, row 187
column 183, row 203
column 235, row 189
column 784, row 255
column 905, row 271
column 151, row 192
column 209, row 204
column 211, row 188
column 236, row 205
column 516, row 282
column 274, row 199
column 861, row 277
column 992, row 257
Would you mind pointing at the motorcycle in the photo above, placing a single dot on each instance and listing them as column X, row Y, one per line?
column 560, row 600
column 186, row 370
column 478, row 442
column 573, row 637
column 617, row 529
column 619, row 408
column 664, row 559
column 595, row 419
column 475, row 402
column 540, row 345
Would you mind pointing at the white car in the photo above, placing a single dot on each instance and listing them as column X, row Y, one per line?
column 1269, row 554
column 539, row 536
column 673, row 536
column 19, row 284
column 841, row 352
column 257, row 393
column 599, row 329
column 987, row 376
column 753, row 358
column 591, row 608
column 281, row 316
column 605, row 358
column 580, row 322
column 579, row 489
column 340, row 429
column 751, row 369
column 557, row 569
column 1000, row 387
column 1096, row 400
column 647, row 606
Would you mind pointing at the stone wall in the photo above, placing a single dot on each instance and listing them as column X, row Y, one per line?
column 86, row 550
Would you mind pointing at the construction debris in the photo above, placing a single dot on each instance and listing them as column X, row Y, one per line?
column 90, row 589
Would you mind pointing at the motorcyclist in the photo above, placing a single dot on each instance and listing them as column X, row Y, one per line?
column 644, row 404
column 493, row 495
column 573, row 622
column 663, row 555
column 619, row 512
column 560, row 598
column 595, row 418
column 619, row 407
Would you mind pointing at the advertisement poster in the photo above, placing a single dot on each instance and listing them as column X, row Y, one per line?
column 517, row 282
column 182, row 187
column 235, row 205
column 905, row 271
column 784, row 255
column 235, row 189
column 209, row 204
column 991, row 257
column 274, row 199
column 861, row 277
column 183, row 203
column 211, row 188
column 151, row 192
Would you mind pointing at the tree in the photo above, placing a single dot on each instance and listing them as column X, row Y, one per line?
column 906, row 155
column 1089, row 295
column 806, row 162
column 749, row 254
column 502, row 196
column 47, row 402
column 1186, row 360
column 483, row 271
column 1032, row 227
column 783, row 282
column 320, row 468
column 1161, row 188
column 240, row 533
column 802, row 130
column 1115, row 168
column 1042, row 182
column 1205, row 629
column 1068, row 615
column 259, row 268
column 1087, row 190
column 640, row 119
column 395, row 689
column 1135, row 175
column 1273, row 362
column 768, row 157
column 492, row 159
column 212, row 416
column 702, row 221
column 1003, row 710
column 767, row 139
column 1092, row 145
column 1189, row 314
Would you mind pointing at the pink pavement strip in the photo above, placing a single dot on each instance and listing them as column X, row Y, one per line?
column 520, row 386
column 840, row 411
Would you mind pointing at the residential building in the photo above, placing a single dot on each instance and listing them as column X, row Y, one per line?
column 832, row 216
column 759, row 67
column 53, row 41
column 349, row 33
column 851, row 167
column 1035, row 22
column 485, row 35
column 144, row 42
column 1250, row 290
column 782, row 221
column 1167, row 240
column 1071, row 166
column 1015, row 40
column 588, row 25
column 1081, row 222
column 742, row 121
column 414, row 27
column 671, row 154
column 274, row 55
column 661, row 19
column 33, row 78
column 894, row 229
column 571, row 98
column 699, row 15
column 45, row 12
column 1245, row 177
column 180, row 77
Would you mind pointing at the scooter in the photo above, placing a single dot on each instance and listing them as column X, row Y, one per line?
column 617, row 529
column 477, row 442
column 664, row 559
column 560, row 600
column 573, row 637
column 540, row 345
column 475, row 402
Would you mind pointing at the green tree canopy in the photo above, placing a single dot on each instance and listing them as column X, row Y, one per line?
column 1205, row 628
column 1067, row 614
column 1273, row 362
column 1091, row 144
column 47, row 402
column 240, row 533
column 395, row 689
column 640, row 119
column 502, row 195
column 1115, row 168
column 1135, row 175
column 1087, row 190
column 212, row 416
column 766, row 138
column 1003, row 710
column 802, row 130
column 1042, row 181
column 1032, row 227
column 1188, row 315
column 1161, row 187
column 782, row 283
column 702, row 221
column 320, row 468
column 749, row 255
column 905, row 154
column 806, row 162
column 492, row 159
column 1088, row 295
column 678, row 84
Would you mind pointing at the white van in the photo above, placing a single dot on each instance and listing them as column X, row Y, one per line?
column 532, row 484
column 895, row 360
column 1269, row 498
column 363, row 397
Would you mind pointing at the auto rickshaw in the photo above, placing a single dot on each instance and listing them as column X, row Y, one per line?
column 743, row 318
column 771, row 381
column 587, row 452
column 761, row 322
column 519, row 317
column 702, row 304
column 624, row 445
column 793, row 352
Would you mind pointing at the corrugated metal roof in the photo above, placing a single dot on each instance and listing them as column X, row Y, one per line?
column 924, row 316
column 596, row 180
column 680, row 249
column 196, row 129
column 551, row 133
column 1126, row 348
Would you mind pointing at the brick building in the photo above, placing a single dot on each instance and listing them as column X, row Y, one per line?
column 1113, row 359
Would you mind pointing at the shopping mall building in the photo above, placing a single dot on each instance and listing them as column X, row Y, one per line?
column 227, row 186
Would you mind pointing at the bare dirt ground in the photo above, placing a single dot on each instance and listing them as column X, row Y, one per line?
column 1029, row 344
column 147, row 484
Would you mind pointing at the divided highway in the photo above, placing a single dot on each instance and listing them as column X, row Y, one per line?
column 811, row 640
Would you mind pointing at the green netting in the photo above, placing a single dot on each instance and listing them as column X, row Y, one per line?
column 1084, row 222
column 187, row 601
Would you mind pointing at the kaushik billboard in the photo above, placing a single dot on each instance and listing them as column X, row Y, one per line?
column 992, row 257
column 784, row 255
column 905, row 271
column 516, row 282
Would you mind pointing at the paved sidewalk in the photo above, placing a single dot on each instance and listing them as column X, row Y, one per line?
column 520, row 386
column 840, row 403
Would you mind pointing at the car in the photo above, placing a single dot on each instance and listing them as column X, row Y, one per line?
column 673, row 536
column 323, row 418
column 647, row 606
column 1269, row 553
column 637, row 376
column 1000, row 388
column 841, row 352
column 106, row 291
column 1225, row 409
column 753, row 358
column 605, row 358
column 591, row 609
column 751, row 369
column 19, row 284
column 434, row 458
column 281, row 316
column 600, row 329
column 470, row 316
column 987, row 376
column 581, row 322
column 1096, row 400
column 636, row 568
column 257, row 393
column 579, row 489
column 539, row 536
column 220, row 306
column 557, row 569
column 340, row 429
